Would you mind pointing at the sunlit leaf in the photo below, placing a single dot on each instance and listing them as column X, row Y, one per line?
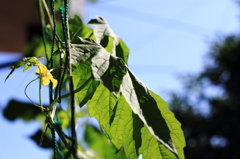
column 78, row 29
column 82, row 76
column 125, row 129
column 137, row 96
column 174, row 125
column 149, row 110
column 27, row 61
column 27, row 66
column 88, row 51
column 101, row 106
column 98, row 142
column 150, row 147
column 108, row 39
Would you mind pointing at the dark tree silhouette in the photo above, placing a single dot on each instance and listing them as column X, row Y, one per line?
column 217, row 134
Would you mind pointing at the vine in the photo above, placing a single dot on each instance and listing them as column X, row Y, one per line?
column 90, row 65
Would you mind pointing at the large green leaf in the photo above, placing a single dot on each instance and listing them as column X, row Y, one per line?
column 103, row 112
column 98, row 142
column 125, row 129
column 78, row 29
column 82, row 76
column 150, row 124
column 108, row 39
column 174, row 125
column 88, row 51
column 117, row 120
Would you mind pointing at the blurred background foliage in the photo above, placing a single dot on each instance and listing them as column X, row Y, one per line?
column 215, row 134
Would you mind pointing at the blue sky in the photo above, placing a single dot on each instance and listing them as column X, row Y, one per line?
column 165, row 37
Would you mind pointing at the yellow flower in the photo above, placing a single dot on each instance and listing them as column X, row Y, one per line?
column 45, row 75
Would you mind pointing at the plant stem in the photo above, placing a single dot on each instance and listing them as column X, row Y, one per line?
column 50, row 86
column 40, row 92
column 48, row 13
column 25, row 91
column 61, row 60
column 71, row 87
column 41, row 16
column 68, row 94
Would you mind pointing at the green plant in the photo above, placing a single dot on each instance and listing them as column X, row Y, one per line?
column 91, row 64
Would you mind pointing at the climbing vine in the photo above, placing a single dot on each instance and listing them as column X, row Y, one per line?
column 89, row 67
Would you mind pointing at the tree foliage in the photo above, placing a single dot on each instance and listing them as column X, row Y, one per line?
column 215, row 135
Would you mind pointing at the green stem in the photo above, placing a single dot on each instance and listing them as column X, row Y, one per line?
column 25, row 92
column 69, row 66
column 40, row 92
column 41, row 15
column 54, row 143
column 51, row 66
column 48, row 13
column 51, row 107
column 65, row 64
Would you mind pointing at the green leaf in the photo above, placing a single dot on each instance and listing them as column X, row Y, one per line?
column 81, row 75
column 108, row 39
column 63, row 118
column 115, row 118
column 101, row 106
column 27, row 66
column 88, row 51
column 137, row 96
column 98, row 142
column 84, row 50
column 149, row 110
column 125, row 129
column 78, row 29
column 174, row 125
column 33, row 60
column 151, row 147
column 28, row 61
